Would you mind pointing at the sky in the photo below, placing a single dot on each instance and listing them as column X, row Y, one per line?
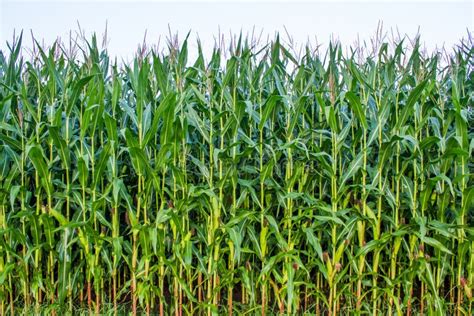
column 439, row 22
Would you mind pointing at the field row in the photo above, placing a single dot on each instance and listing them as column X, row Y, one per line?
column 262, row 183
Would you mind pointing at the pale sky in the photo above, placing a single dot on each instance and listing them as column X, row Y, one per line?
column 440, row 22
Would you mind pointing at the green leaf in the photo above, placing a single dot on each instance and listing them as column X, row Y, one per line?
column 408, row 109
column 356, row 106
column 76, row 91
column 102, row 163
column 354, row 166
column 61, row 146
column 268, row 107
column 36, row 155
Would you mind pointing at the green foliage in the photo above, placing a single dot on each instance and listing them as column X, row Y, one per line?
column 259, row 183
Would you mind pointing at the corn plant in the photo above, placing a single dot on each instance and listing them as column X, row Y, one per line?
column 255, row 180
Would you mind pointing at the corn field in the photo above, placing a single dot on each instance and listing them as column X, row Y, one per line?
column 258, row 181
